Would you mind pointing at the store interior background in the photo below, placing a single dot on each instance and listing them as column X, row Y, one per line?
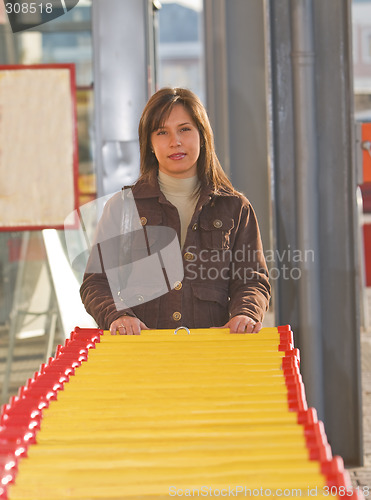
column 30, row 308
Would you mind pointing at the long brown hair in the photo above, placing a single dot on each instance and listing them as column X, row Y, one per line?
column 154, row 115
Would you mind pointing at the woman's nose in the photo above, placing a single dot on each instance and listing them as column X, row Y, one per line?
column 175, row 140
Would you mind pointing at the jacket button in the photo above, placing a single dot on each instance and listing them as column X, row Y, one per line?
column 176, row 316
column 143, row 221
column 140, row 298
column 217, row 223
column 194, row 227
column 177, row 285
column 189, row 256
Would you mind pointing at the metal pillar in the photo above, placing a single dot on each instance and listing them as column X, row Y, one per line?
column 236, row 98
column 307, row 189
column 123, row 81
column 217, row 87
column 338, row 228
column 311, row 90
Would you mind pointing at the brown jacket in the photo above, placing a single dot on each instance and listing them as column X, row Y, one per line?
column 225, row 273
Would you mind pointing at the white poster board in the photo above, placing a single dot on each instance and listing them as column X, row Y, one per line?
column 38, row 146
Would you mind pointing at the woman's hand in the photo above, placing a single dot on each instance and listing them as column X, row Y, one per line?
column 127, row 325
column 243, row 324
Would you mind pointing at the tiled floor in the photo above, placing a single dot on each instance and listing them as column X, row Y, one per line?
column 361, row 476
column 28, row 355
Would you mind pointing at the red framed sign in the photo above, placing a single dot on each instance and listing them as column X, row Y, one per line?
column 38, row 146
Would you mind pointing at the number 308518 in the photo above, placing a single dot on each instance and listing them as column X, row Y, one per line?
column 28, row 8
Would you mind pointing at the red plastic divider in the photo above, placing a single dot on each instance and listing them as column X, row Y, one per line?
column 20, row 419
column 337, row 478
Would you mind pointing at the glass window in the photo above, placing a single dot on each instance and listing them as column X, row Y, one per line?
column 25, row 278
column 66, row 39
column 361, row 16
column 181, row 46
column 28, row 305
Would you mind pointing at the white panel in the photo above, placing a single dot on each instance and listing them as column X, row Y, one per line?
column 36, row 147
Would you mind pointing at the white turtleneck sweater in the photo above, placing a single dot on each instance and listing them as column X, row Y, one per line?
column 183, row 194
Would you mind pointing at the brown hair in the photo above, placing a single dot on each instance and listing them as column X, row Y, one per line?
column 154, row 115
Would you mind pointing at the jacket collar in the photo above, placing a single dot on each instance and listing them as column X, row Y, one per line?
column 143, row 189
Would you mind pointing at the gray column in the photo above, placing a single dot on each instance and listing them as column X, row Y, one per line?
column 236, row 98
column 307, row 198
column 123, row 81
column 338, row 228
column 323, row 214
column 217, row 77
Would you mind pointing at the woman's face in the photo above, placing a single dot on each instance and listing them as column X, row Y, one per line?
column 177, row 144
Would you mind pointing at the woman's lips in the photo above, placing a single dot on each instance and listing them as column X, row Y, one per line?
column 177, row 156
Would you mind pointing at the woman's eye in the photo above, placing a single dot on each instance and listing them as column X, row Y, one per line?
column 185, row 129
column 161, row 132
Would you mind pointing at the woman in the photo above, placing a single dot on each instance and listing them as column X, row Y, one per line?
column 182, row 186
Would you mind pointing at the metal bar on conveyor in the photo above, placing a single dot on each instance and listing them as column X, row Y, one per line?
column 157, row 415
